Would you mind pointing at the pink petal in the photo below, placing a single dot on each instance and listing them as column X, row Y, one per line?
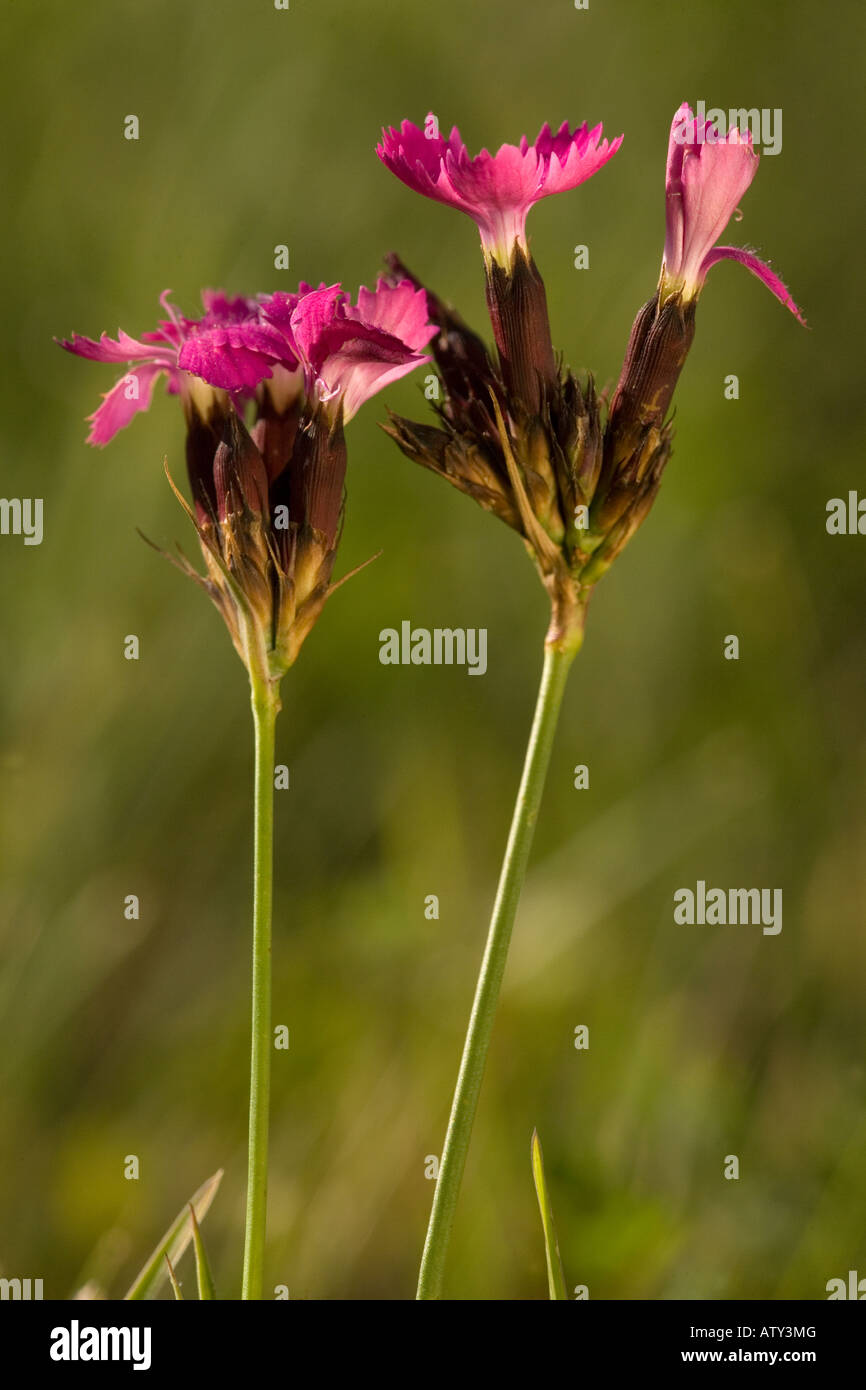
column 757, row 267
column 546, row 143
column 221, row 308
column 714, row 179
column 683, row 134
column 356, row 375
column 117, row 408
column 400, row 310
column 278, row 308
column 490, row 183
column 417, row 159
column 496, row 190
column 123, row 349
column 704, row 183
column 310, row 320
column 235, row 356
column 575, row 162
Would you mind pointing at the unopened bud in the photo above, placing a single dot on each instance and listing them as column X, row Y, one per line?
column 660, row 340
column 318, row 473
column 517, row 304
column 461, row 458
column 619, row 535
column 280, row 399
column 532, row 444
column 204, row 431
column 240, row 480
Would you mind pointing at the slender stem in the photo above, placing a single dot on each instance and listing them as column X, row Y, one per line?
column 557, row 662
column 265, row 703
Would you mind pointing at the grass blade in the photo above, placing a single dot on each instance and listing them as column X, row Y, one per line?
column 173, row 1244
column 206, row 1289
column 555, row 1274
column 173, row 1278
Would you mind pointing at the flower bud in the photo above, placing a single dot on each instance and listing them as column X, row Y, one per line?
column 204, row 429
column 276, row 427
column 239, row 477
column 660, row 340
column 517, row 304
column 463, row 459
column 234, row 540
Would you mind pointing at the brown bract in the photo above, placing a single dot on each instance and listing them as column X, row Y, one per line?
column 267, row 508
column 527, row 440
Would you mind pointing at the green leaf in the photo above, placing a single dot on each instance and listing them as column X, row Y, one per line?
column 206, row 1288
column 174, row 1284
column 555, row 1274
column 175, row 1241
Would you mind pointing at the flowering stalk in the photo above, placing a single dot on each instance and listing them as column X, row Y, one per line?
column 523, row 437
column 265, row 704
column 267, row 505
column 557, row 663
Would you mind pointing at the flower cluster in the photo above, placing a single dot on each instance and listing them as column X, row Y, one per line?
column 515, row 429
column 267, row 500
column 518, row 432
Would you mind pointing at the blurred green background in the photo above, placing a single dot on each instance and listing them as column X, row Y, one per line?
column 258, row 128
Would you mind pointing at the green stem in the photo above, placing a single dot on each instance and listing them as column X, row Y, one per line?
column 557, row 662
column 266, row 704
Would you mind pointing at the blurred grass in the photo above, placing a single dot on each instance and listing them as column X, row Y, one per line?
column 257, row 128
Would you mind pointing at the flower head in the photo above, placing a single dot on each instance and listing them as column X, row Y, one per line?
column 348, row 351
column 496, row 190
column 707, row 175
column 536, row 471
column 228, row 331
column 337, row 353
column 267, row 502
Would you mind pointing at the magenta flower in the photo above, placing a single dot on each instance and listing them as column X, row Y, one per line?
column 496, row 190
column 313, row 342
column 707, row 175
column 349, row 352
column 341, row 353
column 232, row 340
column 267, row 502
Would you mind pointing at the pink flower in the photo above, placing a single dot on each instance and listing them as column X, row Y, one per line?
column 707, row 175
column 312, row 343
column 496, row 190
column 338, row 352
column 347, row 351
column 224, row 348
